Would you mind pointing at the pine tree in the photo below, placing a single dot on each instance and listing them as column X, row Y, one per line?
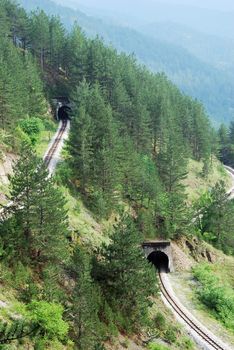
column 38, row 224
column 80, row 141
column 171, row 163
column 85, row 303
column 75, row 57
column 40, row 36
column 231, row 133
column 50, row 225
column 125, row 275
column 217, row 217
column 56, row 43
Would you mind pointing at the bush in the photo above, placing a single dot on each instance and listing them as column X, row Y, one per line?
column 170, row 334
column 48, row 317
column 154, row 346
column 216, row 296
column 186, row 343
column 160, row 321
column 63, row 174
column 32, row 127
column 21, row 278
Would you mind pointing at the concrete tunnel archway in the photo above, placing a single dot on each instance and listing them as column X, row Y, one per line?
column 160, row 260
column 63, row 113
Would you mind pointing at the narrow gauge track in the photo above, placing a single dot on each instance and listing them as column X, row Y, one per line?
column 186, row 318
column 55, row 144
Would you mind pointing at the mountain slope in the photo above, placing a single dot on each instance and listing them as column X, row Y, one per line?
column 194, row 14
column 196, row 78
column 219, row 52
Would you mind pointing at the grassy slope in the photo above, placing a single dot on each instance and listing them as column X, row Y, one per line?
column 196, row 184
column 92, row 233
column 41, row 147
column 45, row 138
column 185, row 288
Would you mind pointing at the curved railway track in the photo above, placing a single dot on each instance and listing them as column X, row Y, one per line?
column 49, row 156
column 231, row 173
column 213, row 344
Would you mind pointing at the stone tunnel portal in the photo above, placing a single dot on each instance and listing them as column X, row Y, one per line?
column 159, row 253
column 160, row 260
column 62, row 107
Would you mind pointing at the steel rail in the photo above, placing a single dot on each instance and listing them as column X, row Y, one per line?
column 186, row 318
column 55, row 144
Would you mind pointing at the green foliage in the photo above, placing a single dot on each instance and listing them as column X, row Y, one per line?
column 217, row 297
column 171, row 334
column 132, row 134
column 32, row 127
column 132, row 131
column 36, row 227
column 159, row 321
column 154, row 346
column 84, row 311
column 226, row 144
column 186, row 343
column 125, row 277
column 48, row 317
column 215, row 217
column 16, row 330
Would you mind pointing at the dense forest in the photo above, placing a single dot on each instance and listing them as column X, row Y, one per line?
column 156, row 47
column 132, row 135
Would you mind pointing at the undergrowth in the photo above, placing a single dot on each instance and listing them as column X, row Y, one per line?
column 215, row 295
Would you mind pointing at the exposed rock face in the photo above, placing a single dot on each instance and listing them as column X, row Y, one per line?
column 182, row 261
column 187, row 252
column 6, row 165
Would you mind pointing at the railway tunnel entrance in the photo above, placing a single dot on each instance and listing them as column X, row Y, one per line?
column 61, row 107
column 159, row 253
column 63, row 113
column 160, row 260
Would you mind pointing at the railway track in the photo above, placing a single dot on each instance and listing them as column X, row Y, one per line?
column 51, row 152
column 213, row 344
column 49, row 156
column 231, row 173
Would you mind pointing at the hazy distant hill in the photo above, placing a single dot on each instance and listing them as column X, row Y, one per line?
column 212, row 86
column 194, row 14
column 210, row 48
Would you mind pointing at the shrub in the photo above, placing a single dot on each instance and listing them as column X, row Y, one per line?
column 21, row 278
column 154, row 346
column 48, row 316
column 160, row 321
column 216, row 296
column 187, row 343
column 32, row 127
column 170, row 334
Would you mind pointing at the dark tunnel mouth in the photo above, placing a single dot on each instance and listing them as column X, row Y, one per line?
column 160, row 260
column 63, row 113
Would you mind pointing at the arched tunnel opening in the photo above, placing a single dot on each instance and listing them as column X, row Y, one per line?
column 63, row 113
column 160, row 260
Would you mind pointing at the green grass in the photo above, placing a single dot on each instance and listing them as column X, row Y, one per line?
column 44, row 140
column 196, row 184
column 224, row 270
column 165, row 327
column 82, row 223
column 154, row 346
column 216, row 295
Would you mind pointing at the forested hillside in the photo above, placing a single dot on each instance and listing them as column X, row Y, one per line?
column 211, row 49
column 197, row 77
column 132, row 135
